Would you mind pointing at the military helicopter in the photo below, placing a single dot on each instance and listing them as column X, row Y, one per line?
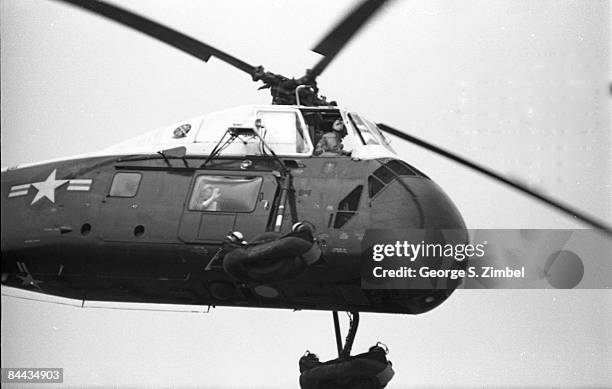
column 134, row 222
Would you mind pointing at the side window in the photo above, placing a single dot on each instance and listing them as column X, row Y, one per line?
column 374, row 186
column 125, row 184
column 225, row 194
column 348, row 207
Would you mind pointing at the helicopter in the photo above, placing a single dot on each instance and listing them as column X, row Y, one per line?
column 268, row 182
column 162, row 248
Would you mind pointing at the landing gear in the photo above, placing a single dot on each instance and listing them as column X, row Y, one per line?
column 369, row 370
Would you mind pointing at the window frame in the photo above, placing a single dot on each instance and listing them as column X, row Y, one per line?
column 113, row 182
column 301, row 129
column 352, row 212
column 372, row 134
column 194, row 185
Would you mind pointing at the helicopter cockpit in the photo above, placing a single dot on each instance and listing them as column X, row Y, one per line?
column 290, row 131
column 358, row 137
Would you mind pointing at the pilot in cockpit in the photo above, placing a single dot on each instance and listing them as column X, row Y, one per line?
column 331, row 141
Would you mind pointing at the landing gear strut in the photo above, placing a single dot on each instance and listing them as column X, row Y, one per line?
column 367, row 370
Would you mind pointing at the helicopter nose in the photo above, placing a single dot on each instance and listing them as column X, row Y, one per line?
column 411, row 202
column 403, row 200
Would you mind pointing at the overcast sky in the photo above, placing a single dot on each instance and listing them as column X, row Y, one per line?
column 521, row 86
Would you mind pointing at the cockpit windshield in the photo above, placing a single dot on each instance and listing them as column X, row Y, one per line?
column 365, row 129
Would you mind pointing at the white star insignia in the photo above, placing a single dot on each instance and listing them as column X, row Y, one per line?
column 47, row 187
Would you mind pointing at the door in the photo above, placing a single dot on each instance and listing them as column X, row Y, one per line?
column 138, row 222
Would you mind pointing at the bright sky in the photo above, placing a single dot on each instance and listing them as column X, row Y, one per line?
column 521, row 86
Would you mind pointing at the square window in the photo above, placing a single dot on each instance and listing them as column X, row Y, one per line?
column 125, row 184
column 225, row 194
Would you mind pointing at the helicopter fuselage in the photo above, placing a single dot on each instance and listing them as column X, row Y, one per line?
column 134, row 228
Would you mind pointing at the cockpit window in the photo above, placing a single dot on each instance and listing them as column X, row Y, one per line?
column 125, row 184
column 400, row 168
column 379, row 179
column 375, row 130
column 225, row 194
column 366, row 132
column 283, row 132
column 384, row 174
column 374, row 186
column 348, row 207
column 330, row 134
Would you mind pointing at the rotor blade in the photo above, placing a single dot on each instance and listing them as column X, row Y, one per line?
column 165, row 34
column 490, row 173
column 337, row 38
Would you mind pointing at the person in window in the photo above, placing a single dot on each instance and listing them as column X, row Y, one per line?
column 331, row 141
column 210, row 195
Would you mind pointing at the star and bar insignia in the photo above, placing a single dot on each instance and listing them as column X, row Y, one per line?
column 46, row 188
